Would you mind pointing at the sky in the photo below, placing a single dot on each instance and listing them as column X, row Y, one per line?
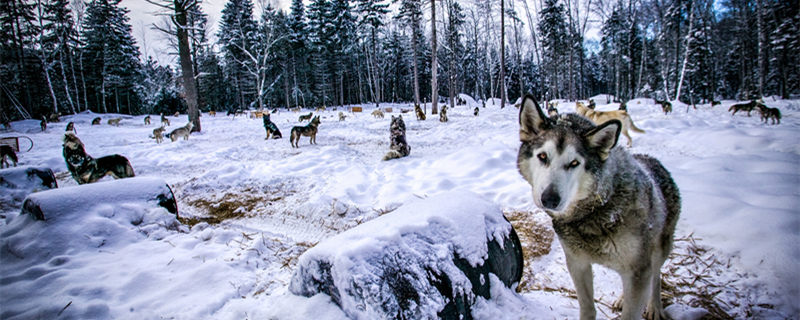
column 153, row 43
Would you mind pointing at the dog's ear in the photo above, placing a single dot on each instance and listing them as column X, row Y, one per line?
column 399, row 117
column 531, row 119
column 604, row 137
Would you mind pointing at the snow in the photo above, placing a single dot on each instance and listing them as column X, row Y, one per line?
column 738, row 179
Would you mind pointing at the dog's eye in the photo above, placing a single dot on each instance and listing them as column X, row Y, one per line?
column 542, row 157
column 573, row 164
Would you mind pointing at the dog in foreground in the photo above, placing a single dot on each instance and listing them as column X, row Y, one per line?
column 309, row 130
column 607, row 206
column 397, row 135
column 599, row 117
column 86, row 169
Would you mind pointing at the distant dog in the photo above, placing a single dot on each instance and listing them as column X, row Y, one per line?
column 164, row 121
column 212, row 113
column 342, row 116
column 71, row 127
column 322, row 108
column 749, row 106
column 158, row 134
column 147, row 120
column 769, row 113
column 377, row 114
column 309, row 130
column 184, row 132
column 599, row 117
column 54, row 117
column 7, row 153
column 43, row 124
column 96, row 121
column 114, row 122
column 606, row 205
column 305, row 117
column 591, row 105
column 271, row 128
column 85, row 169
column 623, row 106
column 397, row 137
column 666, row 106
column 177, row 114
column 715, row 103
column 552, row 111
column 418, row 111
column 443, row 114
column 476, row 111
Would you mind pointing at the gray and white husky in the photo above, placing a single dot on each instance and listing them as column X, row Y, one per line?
column 607, row 206
column 181, row 132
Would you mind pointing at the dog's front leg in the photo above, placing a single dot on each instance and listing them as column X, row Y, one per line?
column 580, row 269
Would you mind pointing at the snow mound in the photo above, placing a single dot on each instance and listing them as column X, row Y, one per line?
column 428, row 259
column 18, row 182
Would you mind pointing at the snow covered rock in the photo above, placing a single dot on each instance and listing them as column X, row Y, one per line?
column 428, row 259
column 74, row 200
column 16, row 183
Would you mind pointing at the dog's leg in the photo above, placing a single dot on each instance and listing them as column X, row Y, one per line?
column 580, row 270
column 655, row 311
column 634, row 291
column 630, row 140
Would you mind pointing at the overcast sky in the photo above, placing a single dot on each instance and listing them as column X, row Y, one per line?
column 153, row 43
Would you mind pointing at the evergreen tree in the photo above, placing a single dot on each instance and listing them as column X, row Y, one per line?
column 553, row 27
column 237, row 34
column 18, row 69
column 371, row 16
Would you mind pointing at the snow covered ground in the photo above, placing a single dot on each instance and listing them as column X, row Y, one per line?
column 256, row 205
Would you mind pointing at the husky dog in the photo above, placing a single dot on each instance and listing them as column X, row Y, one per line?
column 599, row 117
column 607, row 206
column 96, row 121
column 715, row 103
column 342, row 116
column 147, row 120
column 43, row 124
column 322, row 108
column 6, row 153
column 71, row 127
column 591, row 104
column 552, row 111
column 164, row 121
column 476, row 111
column 85, row 169
column 309, row 130
column 158, row 134
column 271, row 128
column 184, row 132
column 420, row 114
column 114, row 122
column 305, row 117
column 177, row 114
column 212, row 113
column 443, row 114
column 54, row 117
column 623, row 106
column 399, row 147
column 666, row 106
column 767, row 113
column 377, row 113
column 743, row 107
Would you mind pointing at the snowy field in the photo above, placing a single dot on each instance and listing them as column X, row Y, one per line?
column 250, row 207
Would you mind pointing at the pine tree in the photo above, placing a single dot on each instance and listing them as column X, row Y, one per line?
column 17, row 34
column 371, row 13
column 411, row 15
column 237, row 33
column 553, row 27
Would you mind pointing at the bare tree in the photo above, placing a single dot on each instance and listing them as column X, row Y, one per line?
column 502, row 54
column 434, row 63
column 180, row 9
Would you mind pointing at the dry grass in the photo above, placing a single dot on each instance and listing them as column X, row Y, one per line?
column 536, row 239
column 230, row 205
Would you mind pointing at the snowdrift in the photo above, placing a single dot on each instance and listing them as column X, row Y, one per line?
column 429, row 259
column 18, row 182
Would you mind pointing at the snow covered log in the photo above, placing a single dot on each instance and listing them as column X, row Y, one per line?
column 428, row 259
column 18, row 182
column 52, row 203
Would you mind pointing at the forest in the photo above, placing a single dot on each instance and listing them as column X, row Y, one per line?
column 62, row 56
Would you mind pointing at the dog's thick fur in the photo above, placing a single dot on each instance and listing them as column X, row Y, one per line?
column 599, row 117
column 158, row 134
column 184, row 132
column 420, row 114
column 96, row 121
column 769, row 113
column 271, row 128
column 398, row 146
column 309, row 130
column 377, row 114
column 147, row 120
column 305, row 117
column 748, row 106
column 607, row 206
column 85, row 169
column 7, row 153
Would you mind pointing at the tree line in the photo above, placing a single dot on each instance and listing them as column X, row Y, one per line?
column 66, row 57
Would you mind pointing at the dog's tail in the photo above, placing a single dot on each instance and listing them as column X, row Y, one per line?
column 633, row 126
column 393, row 154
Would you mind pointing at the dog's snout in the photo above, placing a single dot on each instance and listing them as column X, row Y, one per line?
column 550, row 197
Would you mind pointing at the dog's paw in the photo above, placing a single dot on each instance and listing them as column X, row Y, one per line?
column 651, row 314
column 617, row 305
